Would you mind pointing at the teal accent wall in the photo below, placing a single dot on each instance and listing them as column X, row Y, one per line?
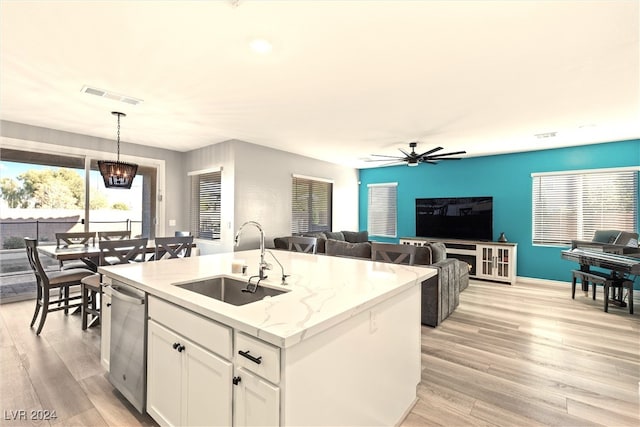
column 507, row 178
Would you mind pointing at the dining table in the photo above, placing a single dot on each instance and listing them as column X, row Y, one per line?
column 89, row 254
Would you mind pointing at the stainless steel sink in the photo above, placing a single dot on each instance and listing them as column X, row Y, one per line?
column 229, row 290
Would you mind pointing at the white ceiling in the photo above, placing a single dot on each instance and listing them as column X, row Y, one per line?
column 345, row 79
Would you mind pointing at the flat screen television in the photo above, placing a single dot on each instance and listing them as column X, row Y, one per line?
column 469, row 218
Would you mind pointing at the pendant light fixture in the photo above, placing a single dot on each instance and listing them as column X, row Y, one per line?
column 117, row 174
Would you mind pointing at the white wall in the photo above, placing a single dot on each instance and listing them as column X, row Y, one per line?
column 210, row 157
column 261, row 189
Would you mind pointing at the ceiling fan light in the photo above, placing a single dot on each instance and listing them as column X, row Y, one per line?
column 412, row 162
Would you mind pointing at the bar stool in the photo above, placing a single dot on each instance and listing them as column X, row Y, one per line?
column 112, row 252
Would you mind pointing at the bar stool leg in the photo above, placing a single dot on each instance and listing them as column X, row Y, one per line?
column 606, row 296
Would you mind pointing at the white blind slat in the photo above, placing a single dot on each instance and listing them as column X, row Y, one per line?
column 206, row 195
column 311, row 208
column 382, row 212
column 573, row 206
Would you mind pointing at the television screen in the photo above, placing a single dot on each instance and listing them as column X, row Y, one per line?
column 469, row 218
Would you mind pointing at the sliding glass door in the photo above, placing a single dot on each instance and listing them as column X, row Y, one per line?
column 42, row 194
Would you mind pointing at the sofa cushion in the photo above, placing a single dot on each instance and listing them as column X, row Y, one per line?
column 355, row 236
column 281, row 243
column 321, row 239
column 342, row 248
column 337, row 235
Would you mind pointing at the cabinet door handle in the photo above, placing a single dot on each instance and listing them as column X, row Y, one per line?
column 246, row 354
column 236, row 380
column 178, row 346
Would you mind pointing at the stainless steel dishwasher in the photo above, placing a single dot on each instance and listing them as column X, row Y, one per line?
column 127, row 365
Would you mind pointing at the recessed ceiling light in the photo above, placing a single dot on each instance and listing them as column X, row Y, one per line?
column 261, row 46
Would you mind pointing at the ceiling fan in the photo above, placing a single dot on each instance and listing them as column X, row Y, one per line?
column 413, row 158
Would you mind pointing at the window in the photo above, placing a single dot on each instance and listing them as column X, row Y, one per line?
column 381, row 210
column 573, row 205
column 310, row 204
column 206, row 191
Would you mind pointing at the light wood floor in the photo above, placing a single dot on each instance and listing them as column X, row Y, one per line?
column 530, row 355
column 509, row 356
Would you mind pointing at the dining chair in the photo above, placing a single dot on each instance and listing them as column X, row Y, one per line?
column 114, row 235
column 397, row 254
column 302, row 244
column 173, row 247
column 75, row 238
column 46, row 281
column 112, row 252
column 64, row 240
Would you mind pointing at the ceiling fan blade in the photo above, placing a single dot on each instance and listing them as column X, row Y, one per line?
column 383, row 160
column 433, row 150
column 388, row 157
column 447, row 154
column 404, row 152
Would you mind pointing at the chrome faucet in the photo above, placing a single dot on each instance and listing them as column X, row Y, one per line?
column 263, row 265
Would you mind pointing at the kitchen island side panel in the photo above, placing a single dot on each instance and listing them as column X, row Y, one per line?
column 363, row 371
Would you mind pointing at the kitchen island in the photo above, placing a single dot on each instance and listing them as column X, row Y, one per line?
column 340, row 347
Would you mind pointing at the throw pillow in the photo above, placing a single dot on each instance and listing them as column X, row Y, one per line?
column 356, row 236
column 438, row 252
column 342, row 248
column 334, row 235
column 423, row 255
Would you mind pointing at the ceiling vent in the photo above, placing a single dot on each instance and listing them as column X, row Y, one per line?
column 546, row 135
column 110, row 95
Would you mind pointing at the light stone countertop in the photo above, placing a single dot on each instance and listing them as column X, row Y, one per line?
column 323, row 290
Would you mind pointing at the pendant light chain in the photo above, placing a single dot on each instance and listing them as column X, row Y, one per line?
column 118, row 137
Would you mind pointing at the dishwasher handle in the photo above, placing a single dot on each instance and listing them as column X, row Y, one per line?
column 127, row 294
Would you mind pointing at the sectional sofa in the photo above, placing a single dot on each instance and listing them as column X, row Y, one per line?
column 440, row 294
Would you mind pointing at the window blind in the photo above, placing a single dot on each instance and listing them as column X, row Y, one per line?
column 382, row 212
column 572, row 206
column 206, row 192
column 311, row 208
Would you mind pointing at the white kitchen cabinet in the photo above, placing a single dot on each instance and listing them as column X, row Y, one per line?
column 105, row 327
column 187, row 383
column 256, row 402
column 496, row 262
column 164, row 375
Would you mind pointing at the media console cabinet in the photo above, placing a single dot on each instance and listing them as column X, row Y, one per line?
column 494, row 261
